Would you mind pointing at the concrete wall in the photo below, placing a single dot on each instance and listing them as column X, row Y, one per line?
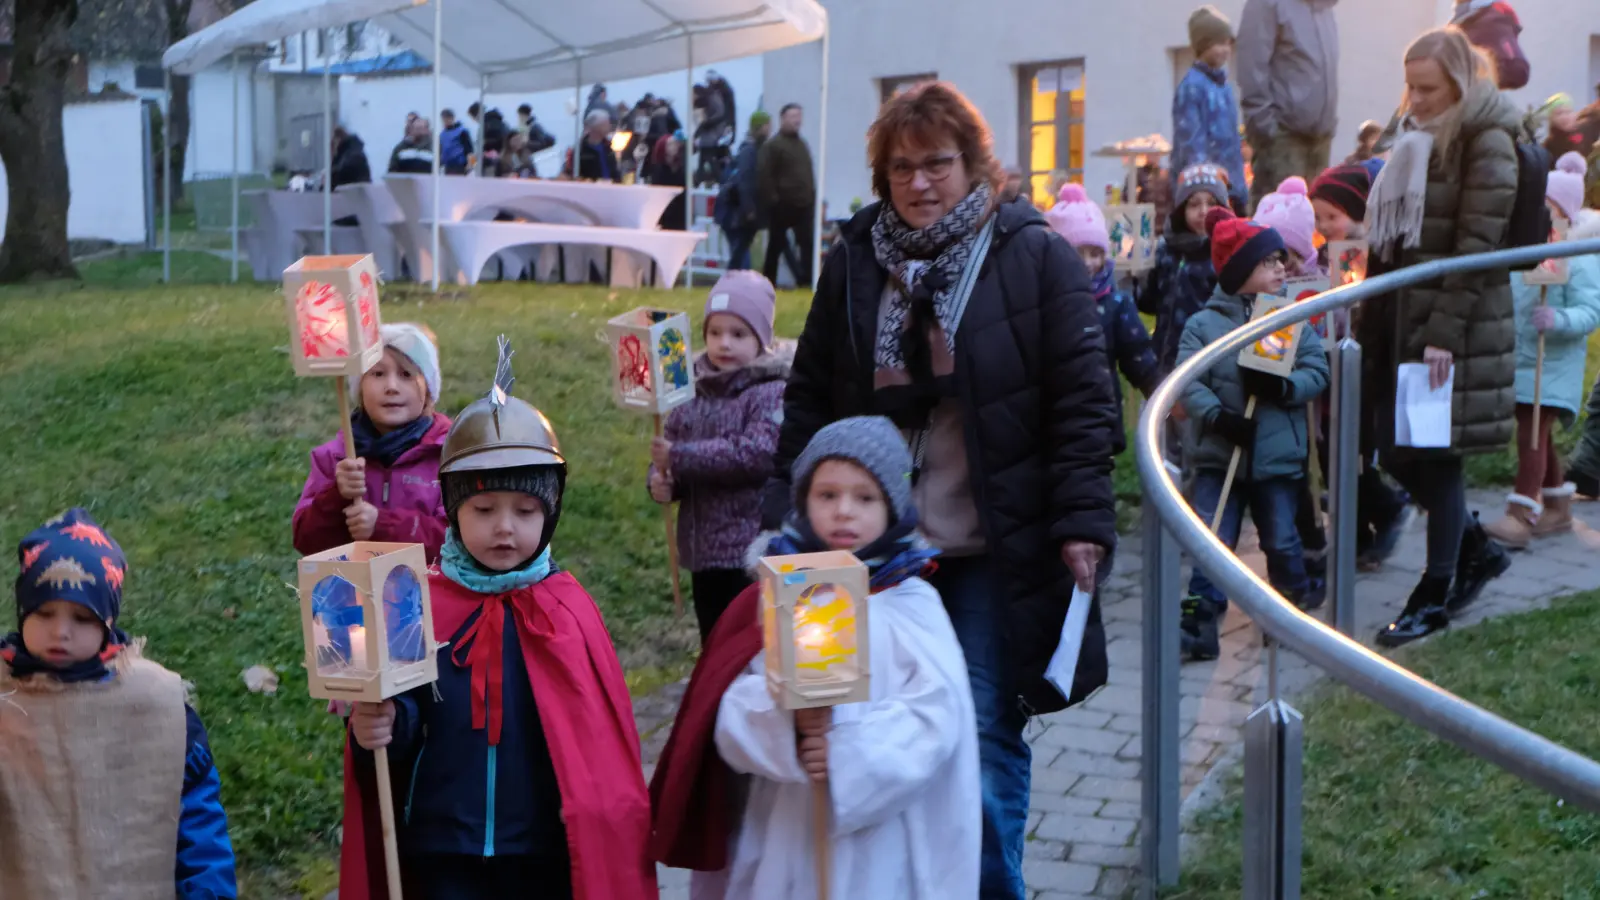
column 1125, row 48
column 105, row 171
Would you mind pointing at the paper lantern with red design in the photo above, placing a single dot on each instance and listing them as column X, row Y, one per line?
column 332, row 303
column 652, row 363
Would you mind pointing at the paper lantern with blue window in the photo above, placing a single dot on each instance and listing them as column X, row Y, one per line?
column 367, row 621
column 814, row 629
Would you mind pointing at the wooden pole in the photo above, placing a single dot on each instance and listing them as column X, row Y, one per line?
column 1538, row 374
column 341, row 386
column 821, row 827
column 1233, row 469
column 672, row 546
column 391, row 853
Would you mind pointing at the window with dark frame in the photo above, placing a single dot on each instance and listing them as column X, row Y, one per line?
column 148, row 77
column 1050, row 117
column 888, row 88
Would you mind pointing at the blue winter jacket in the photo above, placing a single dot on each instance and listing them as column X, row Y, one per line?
column 205, row 853
column 1178, row 287
column 1129, row 349
column 455, row 145
column 1205, row 127
column 461, row 795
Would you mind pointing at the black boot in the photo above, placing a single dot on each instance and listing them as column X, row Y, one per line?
column 1482, row 560
column 1197, row 638
column 1424, row 613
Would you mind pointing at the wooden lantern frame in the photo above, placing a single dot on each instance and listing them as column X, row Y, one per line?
column 1253, row 356
column 344, row 291
column 1347, row 263
column 787, row 583
column 650, row 348
column 367, row 565
column 1131, row 228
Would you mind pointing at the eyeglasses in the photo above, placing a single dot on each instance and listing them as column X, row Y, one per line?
column 902, row 171
column 1280, row 260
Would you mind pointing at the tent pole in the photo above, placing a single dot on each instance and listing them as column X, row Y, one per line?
column 483, row 120
column 577, row 119
column 688, row 162
column 822, row 165
column 234, row 275
column 327, row 144
column 438, row 66
column 166, row 177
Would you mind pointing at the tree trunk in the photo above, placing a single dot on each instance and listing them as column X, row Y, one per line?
column 32, row 145
column 177, row 124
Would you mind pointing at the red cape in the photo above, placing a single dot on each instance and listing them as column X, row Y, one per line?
column 588, row 724
column 692, row 798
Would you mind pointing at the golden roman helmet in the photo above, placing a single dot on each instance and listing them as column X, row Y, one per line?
column 500, row 431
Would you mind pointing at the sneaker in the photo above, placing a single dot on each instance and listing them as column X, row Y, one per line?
column 1315, row 596
column 1198, row 640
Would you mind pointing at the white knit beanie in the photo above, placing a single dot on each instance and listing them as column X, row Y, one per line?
column 412, row 343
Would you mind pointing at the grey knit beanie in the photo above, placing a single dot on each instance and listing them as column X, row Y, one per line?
column 871, row 442
column 544, row 482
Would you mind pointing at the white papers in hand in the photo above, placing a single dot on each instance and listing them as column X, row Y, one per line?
column 1421, row 414
column 1064, row 662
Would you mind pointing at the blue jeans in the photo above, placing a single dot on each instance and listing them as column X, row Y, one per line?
column 1273, row 504
column 972, row 598
column 739, row 241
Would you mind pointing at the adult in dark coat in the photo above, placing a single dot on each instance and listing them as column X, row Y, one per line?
column 1012, row 428
column 1455, row 158
column 349, row 160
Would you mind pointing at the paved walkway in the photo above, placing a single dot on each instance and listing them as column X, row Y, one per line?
column 1083, row 827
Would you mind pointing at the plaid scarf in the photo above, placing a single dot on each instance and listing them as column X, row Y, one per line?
column 900, row 553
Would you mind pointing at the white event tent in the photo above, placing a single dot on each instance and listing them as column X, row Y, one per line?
column 526, row 45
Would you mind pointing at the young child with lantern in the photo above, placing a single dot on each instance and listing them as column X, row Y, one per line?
column 717, row 449
column 92, row 800
column 901, row 769
column 390, row 491
column 519, row 769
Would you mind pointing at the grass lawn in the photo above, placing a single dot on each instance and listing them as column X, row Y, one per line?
column 1392, row 812
column 172, row 413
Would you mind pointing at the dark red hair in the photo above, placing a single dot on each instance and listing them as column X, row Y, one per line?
column 928, row 115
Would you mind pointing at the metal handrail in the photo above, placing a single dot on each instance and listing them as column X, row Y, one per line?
column 1535, row 759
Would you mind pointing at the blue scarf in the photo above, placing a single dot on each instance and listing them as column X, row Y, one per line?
column 459, row 566
column 24, row 664
column 1105, row 280
column 899, row 554
column 385, row 449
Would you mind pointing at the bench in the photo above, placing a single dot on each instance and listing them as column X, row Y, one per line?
column 473, row 244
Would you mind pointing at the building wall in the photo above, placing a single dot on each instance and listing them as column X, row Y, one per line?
column 1126, row 50
column 105, row 171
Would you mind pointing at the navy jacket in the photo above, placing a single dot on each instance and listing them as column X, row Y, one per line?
column 205, row 853
column 455, row 145
column 462, row 795
column 1178, row 287
column 1129, row 348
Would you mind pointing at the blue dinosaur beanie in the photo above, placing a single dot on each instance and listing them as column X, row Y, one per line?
column 71, row 558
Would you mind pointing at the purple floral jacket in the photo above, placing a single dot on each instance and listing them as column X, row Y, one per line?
column 722, row 446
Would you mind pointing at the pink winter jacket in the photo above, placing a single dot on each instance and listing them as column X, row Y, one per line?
column 408, row 497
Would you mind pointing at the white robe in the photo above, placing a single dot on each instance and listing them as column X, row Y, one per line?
column 902, row 771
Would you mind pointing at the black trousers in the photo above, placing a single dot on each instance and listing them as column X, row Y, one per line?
column 446, row 876
column 714, row 590
column 780, row 222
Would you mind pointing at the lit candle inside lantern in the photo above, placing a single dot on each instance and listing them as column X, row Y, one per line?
column 358, row 648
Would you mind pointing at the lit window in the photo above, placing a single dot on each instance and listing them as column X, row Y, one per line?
column 1051, row 103
column 888, row 88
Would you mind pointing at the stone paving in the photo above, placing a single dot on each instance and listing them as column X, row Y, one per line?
column 1084, row 820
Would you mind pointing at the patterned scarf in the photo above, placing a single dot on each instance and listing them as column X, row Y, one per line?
column 459, row 566
column 930, row 259
column 1105, row 280
column 900, row 553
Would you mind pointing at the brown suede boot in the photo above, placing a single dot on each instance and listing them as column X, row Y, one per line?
column 1515, row 528
column 1557, row 515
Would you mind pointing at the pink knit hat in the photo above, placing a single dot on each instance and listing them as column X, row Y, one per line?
column 748, row 295
column 1565, row 185
column 1289, row 212
column 1078, row 220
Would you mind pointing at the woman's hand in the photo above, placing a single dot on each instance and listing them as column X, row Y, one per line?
column 351, row 477
column 1083, row 558
column 661, row 453
column 1544, row 318
column 1438, row 365
column 361, row 518
column 660, row 486
column 372, row 724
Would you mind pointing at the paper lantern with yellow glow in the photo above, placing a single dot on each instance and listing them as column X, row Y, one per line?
column 814, row 629
column 367, row 621
column 333, row 315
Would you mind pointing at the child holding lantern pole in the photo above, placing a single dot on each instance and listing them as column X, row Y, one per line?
column 1259, row 415
column 717, row 449
column 1553, row 326
column 519, row 770
column 92, row 802
column 900, row 772
column 390, row 490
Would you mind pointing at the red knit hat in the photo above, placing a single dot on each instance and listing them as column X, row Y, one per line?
column 1237, row 247
column 1346, row 187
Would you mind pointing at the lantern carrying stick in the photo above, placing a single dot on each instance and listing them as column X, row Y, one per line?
column 391, row 852
column 1233, row 469
column 821, row 828
column 672, row 546
column 341, row 386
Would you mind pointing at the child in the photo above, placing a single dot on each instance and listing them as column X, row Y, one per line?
column 1249, row 259
column 1128, row 345
column 92, row 797
column 1564, row 314
column 901, row 769
column 390, row 491
column 1339, row 202
column 518, row 769
column 1182, row 279
column 717, row 450
column 1205, row 112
